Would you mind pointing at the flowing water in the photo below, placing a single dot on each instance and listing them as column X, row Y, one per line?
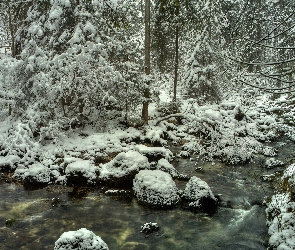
column 28, row 219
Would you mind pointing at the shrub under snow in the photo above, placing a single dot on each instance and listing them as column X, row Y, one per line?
column 281, row 222
column 155, row 188
column 81, row 239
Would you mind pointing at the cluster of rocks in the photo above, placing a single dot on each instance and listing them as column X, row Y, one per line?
column 145, row 170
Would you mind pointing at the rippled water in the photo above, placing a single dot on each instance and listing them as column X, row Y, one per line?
column 238, row 224
column 38, row 225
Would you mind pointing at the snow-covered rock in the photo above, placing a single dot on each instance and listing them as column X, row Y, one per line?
column 289, row 175
column 81, row 239
column 81, row 172
column 155, row 188
column 272, row 162
column 121, row 170
column 34, row 174
column 8, row 162
column 149, row 228
column 154, row 153
column 167, row 167
column 199, row 196
column 269, row 151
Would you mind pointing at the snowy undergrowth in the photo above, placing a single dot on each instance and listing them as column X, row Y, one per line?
column 211, row 131
column 280, row 213
column 229, row 132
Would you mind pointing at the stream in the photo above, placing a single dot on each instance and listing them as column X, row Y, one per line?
column 35, row 219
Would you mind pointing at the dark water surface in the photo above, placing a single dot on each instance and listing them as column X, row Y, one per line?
column 238, row 224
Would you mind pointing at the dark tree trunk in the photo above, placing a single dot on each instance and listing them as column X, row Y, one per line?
column 147, row 65
column 176, row 56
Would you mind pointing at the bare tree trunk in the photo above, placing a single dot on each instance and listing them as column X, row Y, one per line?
column 147, row 65
column 176, row 56
column 11, row 30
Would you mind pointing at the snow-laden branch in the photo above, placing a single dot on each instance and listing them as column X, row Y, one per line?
column 269, row 90
column 264, row 63
column 168, row 117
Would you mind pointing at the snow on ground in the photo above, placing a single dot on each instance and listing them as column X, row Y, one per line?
column 280, row 212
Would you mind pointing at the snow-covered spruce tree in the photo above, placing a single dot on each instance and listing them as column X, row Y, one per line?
column 66, row 73
column 205, row 66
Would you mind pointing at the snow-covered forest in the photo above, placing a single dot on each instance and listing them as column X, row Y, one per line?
column 111, row 95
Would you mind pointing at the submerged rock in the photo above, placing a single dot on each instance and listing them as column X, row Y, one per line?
column 149, row 228
column 81, row 239
column 155, row 188
column 198, row 196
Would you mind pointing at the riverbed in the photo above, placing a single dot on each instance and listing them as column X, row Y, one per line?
column 34, row 219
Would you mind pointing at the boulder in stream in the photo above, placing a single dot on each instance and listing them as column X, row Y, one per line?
column 81, row 173
column 34, row 175
column 198, row 196
column 81, row 239
column 120, row 171
column 156, row 189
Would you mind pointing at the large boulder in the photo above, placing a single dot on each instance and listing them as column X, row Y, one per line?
column 121, row 171
column 198, row 196
column 156, row 189
column 81, row 239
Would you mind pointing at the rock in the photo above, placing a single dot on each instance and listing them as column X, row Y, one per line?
column 183, row 177
column 184, row 154
column 272, row 163
column 9, row 222
column 154, row 154
column 149, row 228
column 200, row 170
column 198, row 196
column 269, row 151
column 34, row 175
column 156, row 189
column 8, row 162
column 120, row 171
column 81, row 239
column 167, row 167
column 81, row 173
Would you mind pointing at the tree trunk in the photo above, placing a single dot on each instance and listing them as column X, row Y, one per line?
column 11, row 30
column 176, row 55
column 147, row 65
